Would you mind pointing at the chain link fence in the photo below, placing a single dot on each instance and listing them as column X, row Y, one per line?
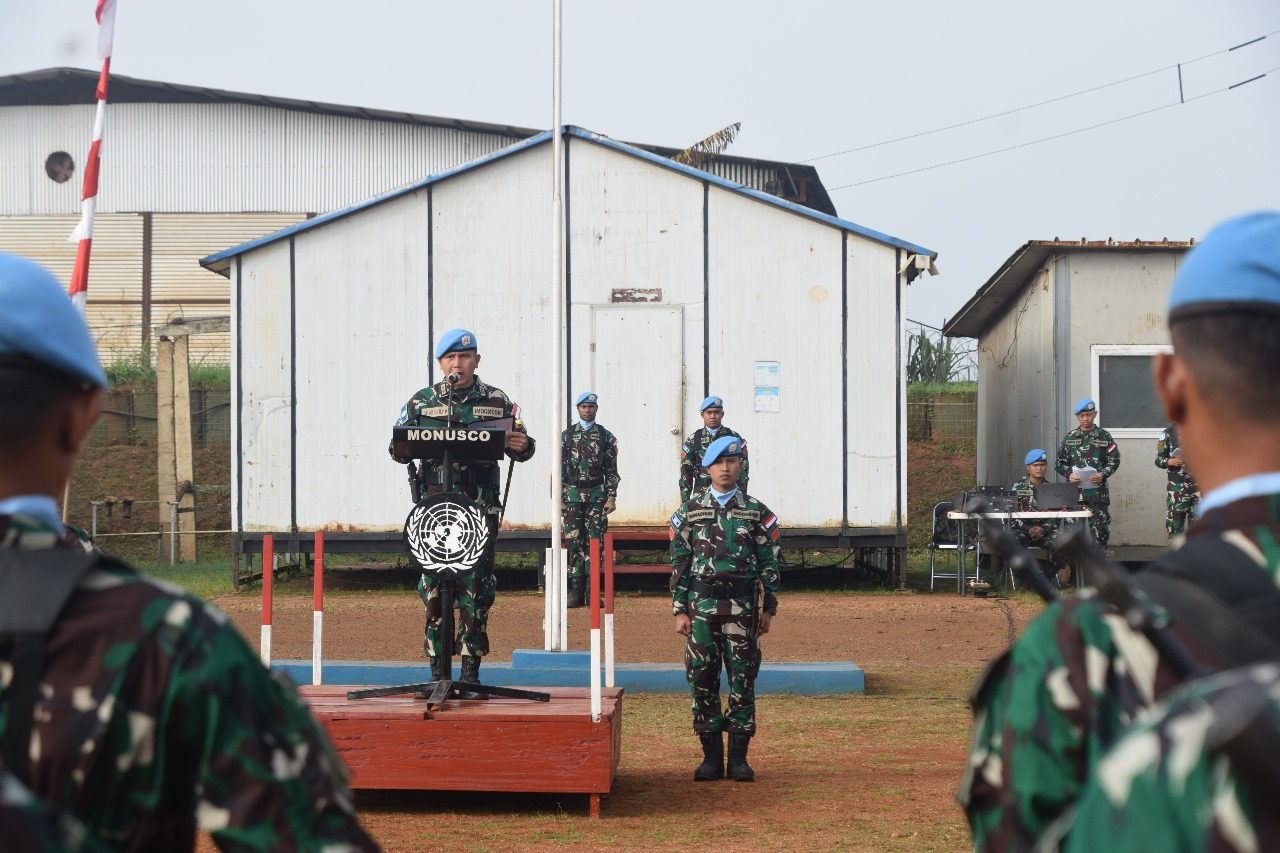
column 129, row 417
column 948, row 418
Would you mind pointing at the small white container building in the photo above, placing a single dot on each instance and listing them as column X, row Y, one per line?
column 679, row 284
column 1062, row 320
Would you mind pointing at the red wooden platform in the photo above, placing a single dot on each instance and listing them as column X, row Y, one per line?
column 467, row 745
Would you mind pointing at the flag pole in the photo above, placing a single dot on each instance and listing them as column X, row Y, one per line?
column 556, row 581
column 105, row 12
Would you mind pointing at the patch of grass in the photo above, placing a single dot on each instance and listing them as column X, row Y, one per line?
column 207, row 579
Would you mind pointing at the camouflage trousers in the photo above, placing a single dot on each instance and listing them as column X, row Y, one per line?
column 583, row 522
column 1049, row 542
column 1100, row 522
column 1180, row 506
column 722, row 636
column 473, row 595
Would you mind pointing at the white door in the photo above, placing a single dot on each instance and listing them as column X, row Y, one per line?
column 637, row 368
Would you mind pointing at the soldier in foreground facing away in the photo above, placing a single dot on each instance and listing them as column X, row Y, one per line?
column 1182, row 495
column 1046, row 712
column 1037, row 533
column 589, row 490
column 1091, row 446
column 694, row 477
column 130, row 704
column 470, row 400
column 723, row 549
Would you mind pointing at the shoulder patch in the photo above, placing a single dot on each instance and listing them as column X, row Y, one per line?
column 676, row 521
column 1163, row 436
column 404, row 415
column 685, row 447
column 770, row 520
column 700, row 514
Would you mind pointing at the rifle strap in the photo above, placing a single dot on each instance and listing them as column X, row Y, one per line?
column 34, row 588
column 1221, row 596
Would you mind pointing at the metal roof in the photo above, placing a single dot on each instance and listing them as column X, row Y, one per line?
column 63, row 86
column 990, row 300
column 220, row 262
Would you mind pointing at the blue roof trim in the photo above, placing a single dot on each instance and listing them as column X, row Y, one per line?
column 227, row 254
column 718, row 181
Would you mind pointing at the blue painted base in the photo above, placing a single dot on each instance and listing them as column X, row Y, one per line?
column 537, row 668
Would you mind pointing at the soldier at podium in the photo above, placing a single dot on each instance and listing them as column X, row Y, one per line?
column 471, row 400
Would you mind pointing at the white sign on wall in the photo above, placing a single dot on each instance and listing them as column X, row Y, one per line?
column 768, row 398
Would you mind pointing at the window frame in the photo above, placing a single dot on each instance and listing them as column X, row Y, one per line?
column 1096, row 353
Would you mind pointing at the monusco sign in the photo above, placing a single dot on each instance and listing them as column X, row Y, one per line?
column 448, row 434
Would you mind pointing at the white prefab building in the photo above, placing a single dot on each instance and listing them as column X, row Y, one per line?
column 1064, row 320
column 679, row 284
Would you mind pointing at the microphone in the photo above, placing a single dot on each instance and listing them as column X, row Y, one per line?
column 453, row 378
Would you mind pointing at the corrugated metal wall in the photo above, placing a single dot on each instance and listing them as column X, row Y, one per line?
column 362, row 348
column 223, row 158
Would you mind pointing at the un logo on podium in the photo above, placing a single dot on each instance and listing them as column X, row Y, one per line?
column 446, row 534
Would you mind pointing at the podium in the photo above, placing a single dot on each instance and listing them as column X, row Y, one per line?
column 447, row 534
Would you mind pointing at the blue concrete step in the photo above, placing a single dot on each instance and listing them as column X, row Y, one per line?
column 538, row 668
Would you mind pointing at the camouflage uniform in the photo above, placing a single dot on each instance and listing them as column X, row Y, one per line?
column 589, row 477
column 1096, row 449
column 1045, row 711
column 693, row 477
column 156, row 720
column 1021, row 527
column 27, row 823
column 1182, row 495
column 1147, row 795
column 733, row 547
column 479, row 481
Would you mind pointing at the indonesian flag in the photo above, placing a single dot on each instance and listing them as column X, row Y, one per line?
column 83, row 233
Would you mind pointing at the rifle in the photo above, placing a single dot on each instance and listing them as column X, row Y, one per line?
column 1243, row 732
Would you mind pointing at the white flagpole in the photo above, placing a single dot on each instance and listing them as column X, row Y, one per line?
column 555, row 565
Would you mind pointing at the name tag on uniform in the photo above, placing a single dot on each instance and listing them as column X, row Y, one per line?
column 436, row 411
column 748, row 514
column 487, row 411
column 700, row 514
column 1073, row 442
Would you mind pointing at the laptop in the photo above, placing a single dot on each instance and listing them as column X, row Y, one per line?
column 1050, row 496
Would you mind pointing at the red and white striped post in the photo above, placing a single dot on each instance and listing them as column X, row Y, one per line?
column 595, row 630
column 83, row 233
column 268, row 576
column 317, row 615
column 608, row 611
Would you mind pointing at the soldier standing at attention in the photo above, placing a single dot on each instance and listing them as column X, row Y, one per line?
column 1049, row 714
column 589, row 482
column 130, row 705
column 1038, row 533
column 1090, row 446
column 1183, row 495
column 693, row 477
column 723, row 548
column 471, row 400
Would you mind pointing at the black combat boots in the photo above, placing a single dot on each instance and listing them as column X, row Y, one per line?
column 470, row 675
column 712, row 766
column 437, row 669
column 739, row 769
column 577, row 592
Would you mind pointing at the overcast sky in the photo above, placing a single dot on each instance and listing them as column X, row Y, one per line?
column 805, row 79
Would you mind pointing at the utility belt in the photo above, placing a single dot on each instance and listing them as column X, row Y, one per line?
column 589, row 483
column 487, row 475
column 723, row 590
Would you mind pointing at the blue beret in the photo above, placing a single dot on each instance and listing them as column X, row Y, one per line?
column 38, row 322
column 725, row 445
column 1084, row 404
column 1236, row 268
column 1034, row 456
column 587, row 397
column 455, row 339
column 711, row 402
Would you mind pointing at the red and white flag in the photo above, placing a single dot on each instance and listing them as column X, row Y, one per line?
column 83, row 233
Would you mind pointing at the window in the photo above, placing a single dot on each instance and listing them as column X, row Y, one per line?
column 1128, row 405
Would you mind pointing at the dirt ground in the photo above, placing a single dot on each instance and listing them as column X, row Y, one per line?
column 879, row 632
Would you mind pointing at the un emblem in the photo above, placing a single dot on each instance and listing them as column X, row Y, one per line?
column 446, row 534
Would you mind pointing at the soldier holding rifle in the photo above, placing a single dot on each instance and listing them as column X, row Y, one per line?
column 723, row 548
column 462, row 398
column 1080, row 675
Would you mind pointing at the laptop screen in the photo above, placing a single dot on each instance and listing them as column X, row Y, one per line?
column 1057, row 496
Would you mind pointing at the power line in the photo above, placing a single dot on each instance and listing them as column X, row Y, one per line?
column 1177, row 103
column 1178, row 65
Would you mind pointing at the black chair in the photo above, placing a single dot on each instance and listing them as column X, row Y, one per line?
column 946, row 537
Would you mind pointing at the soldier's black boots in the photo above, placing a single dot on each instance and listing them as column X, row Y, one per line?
column 712, row 766
column 470, row 675
column 739, row 769
column 437, row 668
column 577, row 592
